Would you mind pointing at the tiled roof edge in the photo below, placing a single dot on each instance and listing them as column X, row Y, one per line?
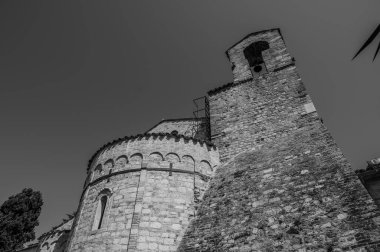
column 53, row 230
column 175, row 120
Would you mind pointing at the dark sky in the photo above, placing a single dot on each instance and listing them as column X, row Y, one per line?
column 75, row 75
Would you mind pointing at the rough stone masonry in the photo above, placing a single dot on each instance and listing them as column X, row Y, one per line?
column 271, row 179
column 284, row 184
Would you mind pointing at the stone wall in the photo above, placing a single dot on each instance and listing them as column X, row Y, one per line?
column 257, row 111
column 284, row 184
column 153, row 184
column 297, row 193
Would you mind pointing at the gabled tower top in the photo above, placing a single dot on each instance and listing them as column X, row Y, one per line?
column 258, row 54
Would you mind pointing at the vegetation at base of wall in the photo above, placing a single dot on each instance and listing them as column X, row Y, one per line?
column 18, row 218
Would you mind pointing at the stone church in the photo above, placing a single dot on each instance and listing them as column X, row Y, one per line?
column 254, row 170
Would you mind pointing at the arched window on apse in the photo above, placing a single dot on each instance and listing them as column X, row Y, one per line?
column 101, row 209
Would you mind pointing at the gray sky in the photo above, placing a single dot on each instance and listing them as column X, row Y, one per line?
column 75, row 75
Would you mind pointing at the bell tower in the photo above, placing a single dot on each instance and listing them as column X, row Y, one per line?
column 265, row 99
column 258, row 54
column 284, row 184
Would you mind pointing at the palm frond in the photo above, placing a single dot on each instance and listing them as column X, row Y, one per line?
column 369, row 40
column 377, row 50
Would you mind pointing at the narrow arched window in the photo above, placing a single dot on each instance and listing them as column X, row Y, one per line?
column 99, row 214
column 103, row 203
